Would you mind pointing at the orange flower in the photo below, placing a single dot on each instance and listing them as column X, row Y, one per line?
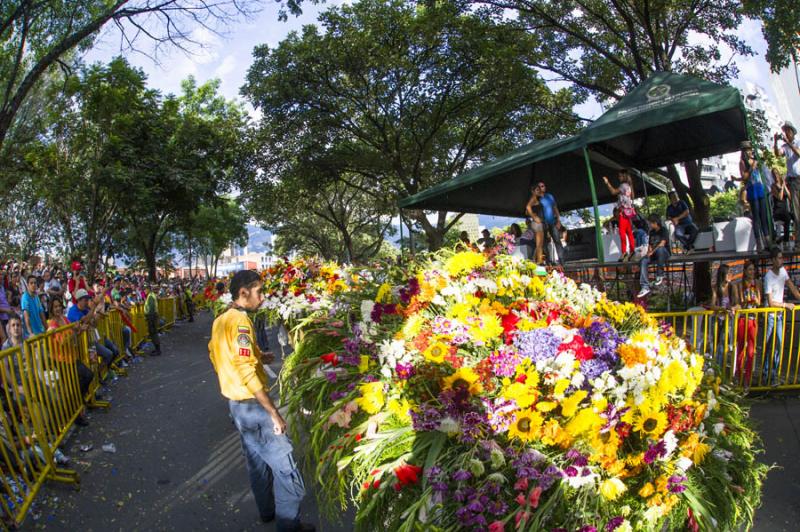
column 632, row 355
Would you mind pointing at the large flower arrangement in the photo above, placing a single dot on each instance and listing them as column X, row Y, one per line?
column 294, row 289
column 471, row 393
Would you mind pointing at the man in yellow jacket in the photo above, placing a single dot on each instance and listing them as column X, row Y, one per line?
column 274, row 478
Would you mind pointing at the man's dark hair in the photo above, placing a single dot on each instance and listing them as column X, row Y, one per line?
column 32, row 277
column 654, row 219
column 243, row 279
column 774, row 251
column 672, row 193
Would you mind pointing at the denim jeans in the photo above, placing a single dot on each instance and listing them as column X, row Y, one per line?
column 660, row 256
column 274, row 478
column 126, row 337
column 777, row 345
column 758, row 213
column 107, row 350
column 555, row 235
column 686, row 234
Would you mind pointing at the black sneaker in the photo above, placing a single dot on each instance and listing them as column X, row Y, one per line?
column 156, row 353
column 268, row 519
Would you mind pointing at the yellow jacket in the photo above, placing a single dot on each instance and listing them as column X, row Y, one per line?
column 235, row 356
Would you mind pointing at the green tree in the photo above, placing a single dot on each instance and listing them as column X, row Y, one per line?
column 216, row 227
column 405, row 96
column 37, row 36
column 82, row 162
column 781, row 28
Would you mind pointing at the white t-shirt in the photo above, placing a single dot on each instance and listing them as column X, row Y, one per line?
column 792, row 159
column 774, row 285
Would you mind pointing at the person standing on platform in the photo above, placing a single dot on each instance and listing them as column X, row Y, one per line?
column 276, row 482
column 787, row 146
column 550, row 217
column 627, row 212
column 756, row 195
column 781, row 201
column 680, row 216
column 151, row 315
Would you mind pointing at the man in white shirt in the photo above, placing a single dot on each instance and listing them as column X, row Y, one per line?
column 790, row 149
column 775, row 280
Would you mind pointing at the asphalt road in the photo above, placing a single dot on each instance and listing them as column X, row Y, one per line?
column 178, row 463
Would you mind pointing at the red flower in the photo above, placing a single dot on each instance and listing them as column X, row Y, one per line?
column 497, row 526
column 691, row 522
column 623, row 430
column 330, row 358
column 509, row 323
column 581, row 350
column 406, row 474
column 533, row 498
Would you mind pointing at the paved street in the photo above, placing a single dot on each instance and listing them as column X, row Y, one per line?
column 178, row 465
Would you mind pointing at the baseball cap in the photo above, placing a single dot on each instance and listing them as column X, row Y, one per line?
column 81, row 293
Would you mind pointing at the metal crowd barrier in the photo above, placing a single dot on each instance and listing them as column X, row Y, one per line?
column 41, row 397
column 755, row 349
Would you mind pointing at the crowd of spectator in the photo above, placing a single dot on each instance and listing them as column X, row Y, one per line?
column 38, row 296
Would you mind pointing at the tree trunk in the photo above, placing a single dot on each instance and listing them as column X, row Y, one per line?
column 150, row 261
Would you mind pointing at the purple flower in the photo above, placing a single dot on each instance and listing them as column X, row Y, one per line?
column 604, row 339
column 538, row 344
column 587, row 528
column 571, row 471
column 461, row 475
column 472, row 425
column 338, row 394
column 404, row 371
column 409, row 291
column 593, row 368
column 504, row 362
column 659, row 450
column 614, row 523
column 675, row 484
column 439, row 486
column 331, row 376
column 497, row 508
column 426, row 419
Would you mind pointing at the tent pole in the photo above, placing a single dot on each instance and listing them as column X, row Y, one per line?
column 597, row 235
column 400, row 214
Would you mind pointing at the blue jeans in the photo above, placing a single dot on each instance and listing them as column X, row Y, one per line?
column 274, row 478
column 776, row 347
column 660, row 257
column 686, row 234
column 107, row 350
column 126, row 337
column 758, row 213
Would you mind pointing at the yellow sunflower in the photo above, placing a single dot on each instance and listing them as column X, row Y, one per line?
column 650, row 421
column 436, row 352
column 464, row 377
column 526, row 426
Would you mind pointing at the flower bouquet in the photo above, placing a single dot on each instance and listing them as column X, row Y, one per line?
column 469, row 393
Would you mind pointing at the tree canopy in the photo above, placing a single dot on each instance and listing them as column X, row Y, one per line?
column 401, row 95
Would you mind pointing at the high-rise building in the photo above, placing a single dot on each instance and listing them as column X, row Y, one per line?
column 786, row 86
column 756, row 99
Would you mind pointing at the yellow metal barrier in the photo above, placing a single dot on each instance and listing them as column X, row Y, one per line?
column 26, row 458
column 44, row 386
column 755, row 349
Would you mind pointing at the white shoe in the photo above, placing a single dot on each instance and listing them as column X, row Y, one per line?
column 659, row 280
column 642, row 293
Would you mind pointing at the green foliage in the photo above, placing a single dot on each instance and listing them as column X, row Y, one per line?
column 403, row 96
column 35, row 37
column 780, row 21
column 724, row 205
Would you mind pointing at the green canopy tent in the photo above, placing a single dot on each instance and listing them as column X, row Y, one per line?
column 669, row 118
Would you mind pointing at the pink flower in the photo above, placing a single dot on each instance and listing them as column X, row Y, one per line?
column 497, row 526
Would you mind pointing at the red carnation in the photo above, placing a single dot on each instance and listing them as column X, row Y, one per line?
column 330, row 358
